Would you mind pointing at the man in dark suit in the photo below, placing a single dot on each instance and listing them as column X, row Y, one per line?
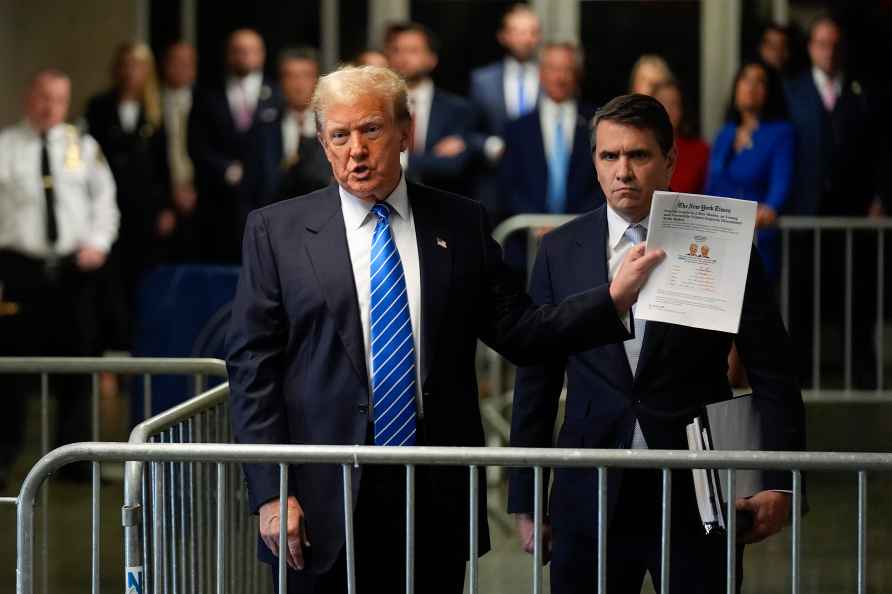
column 502, row 92
column 836, row 128
column 438, row 155
column 303, row 166
column 547, row 166
column 642, row 393
column 356, row 321
column 232, row 134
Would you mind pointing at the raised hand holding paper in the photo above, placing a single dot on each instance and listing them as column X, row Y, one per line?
column 707, row 241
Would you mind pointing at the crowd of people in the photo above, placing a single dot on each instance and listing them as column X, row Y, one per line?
column 165, row 171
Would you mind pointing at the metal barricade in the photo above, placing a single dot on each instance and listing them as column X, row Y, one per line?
column 474, row 459
column 496, row 408
column 199, row 368
column 176, row 523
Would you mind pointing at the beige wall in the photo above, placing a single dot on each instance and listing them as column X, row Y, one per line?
column 78, row 37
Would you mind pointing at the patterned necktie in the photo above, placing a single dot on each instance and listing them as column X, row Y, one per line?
column 636, row 234
column 392, row 348
column 244, row 116
column 557, row 169
column 829, row 94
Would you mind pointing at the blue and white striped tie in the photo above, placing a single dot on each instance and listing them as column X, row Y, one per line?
column 393, row 348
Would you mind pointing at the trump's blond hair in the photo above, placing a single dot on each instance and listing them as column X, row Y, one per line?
column 348, row 83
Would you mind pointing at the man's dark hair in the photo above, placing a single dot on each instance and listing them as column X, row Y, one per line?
column 395, row 29
column 639, row 111
column 777, row 28
column 302, row 52
column 775, row 108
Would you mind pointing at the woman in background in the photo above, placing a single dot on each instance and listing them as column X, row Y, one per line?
column 752, row 156
column 693, row 153
column 126, row 121
column 649, row 71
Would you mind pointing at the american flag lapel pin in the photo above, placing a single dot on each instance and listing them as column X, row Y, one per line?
column 442, row 243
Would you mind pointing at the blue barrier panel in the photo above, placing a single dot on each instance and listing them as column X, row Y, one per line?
column 182, row 311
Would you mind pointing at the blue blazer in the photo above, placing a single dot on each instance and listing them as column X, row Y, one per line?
column 297, row 364
column 450, row 115
column 763, row 173
column 680, row 370
column 523, row 173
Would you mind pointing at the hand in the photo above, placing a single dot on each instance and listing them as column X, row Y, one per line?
column 539, row 232
column 233, row 174
column 184, row 198
column 632, row 275
column 166, row 223
column 297, row 533
column 90, row 259
column 451, row 146
column 765, row 216
column 525, row 529
column 876, row 210
column 770, row 511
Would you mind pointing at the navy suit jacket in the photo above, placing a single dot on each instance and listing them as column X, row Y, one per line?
column 214, row 144
column 297, row 363
column 488, row 97
column 680, row 370
column 523, row 173
column 830, row 146
column 450, row 115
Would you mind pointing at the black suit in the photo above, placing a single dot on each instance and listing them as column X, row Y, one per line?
column 308, row 172
column 138, row 161
column 450, row 115
column 215, row 143
column 296, row 342
column 680, row 369
column 839, row 159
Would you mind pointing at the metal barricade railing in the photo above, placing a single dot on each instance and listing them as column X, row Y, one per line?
column 474, row 459
column 174, row 520
column 199, row 368
column 495, row 409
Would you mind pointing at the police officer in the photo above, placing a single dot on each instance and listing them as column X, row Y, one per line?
column 58, row 220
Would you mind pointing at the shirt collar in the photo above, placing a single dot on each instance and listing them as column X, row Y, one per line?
column 357, row 211
column 617, row 225
column 250, row 81
column 552, row 108
column 820, row 77
column 51, row 134
column 425, row 89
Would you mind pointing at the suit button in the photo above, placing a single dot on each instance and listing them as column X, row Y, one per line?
column 363, row 409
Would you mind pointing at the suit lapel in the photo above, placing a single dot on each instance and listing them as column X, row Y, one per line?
column 540, row 158
column 592, row 272
column 499, row 98
column 435, row 260
column 330, row 257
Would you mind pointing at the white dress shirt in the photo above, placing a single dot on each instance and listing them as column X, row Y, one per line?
column 177, row 105
column 618, row 245
column 83, row 188
column 420, row 99
column 360, row 223
column 530, row 73
column 243, row 93
column 549, row 113
column 296, row 125
column 822, row 82
column 128, row 115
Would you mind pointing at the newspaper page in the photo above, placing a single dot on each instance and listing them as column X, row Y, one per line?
column 707, row 241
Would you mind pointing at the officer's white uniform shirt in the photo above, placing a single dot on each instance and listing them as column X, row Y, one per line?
column 84, row 191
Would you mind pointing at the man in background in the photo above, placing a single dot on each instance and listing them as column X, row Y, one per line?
column 502, row 92
column 58, row 220
column 233, row 131
column 178, row 69
column 438, row 155
column 303, row 166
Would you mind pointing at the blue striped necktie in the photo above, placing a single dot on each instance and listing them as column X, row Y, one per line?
column 557, row 169
column 393, row 347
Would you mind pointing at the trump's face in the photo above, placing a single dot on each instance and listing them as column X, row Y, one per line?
column 630, row 167
column 362, row 141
